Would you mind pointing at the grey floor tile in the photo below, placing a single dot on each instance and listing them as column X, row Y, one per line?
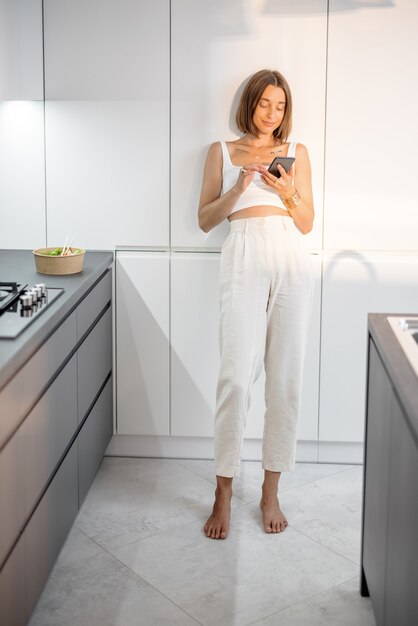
column 244, row 578
column 329, row 511
column 134, row 498
column 89, row 587
column 340, row 606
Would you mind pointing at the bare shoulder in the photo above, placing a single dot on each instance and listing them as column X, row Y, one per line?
column 301, row 151
column 215, row 149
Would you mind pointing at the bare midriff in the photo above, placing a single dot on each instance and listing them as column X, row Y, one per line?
column 257, row 211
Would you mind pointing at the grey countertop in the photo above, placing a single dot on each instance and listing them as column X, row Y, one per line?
column 402, row 375
column 19, row 266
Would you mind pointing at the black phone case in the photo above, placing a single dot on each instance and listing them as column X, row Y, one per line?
column 286, row 162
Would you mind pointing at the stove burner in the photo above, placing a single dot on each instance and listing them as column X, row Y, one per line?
column 19, row 305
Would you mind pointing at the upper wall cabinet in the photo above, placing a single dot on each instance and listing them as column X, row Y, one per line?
column 21, row 50
column 107, row 50
column 214, row 50
column 107, row 122
column 371, row 194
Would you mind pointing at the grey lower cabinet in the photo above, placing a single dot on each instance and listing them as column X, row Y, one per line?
column 389, row 560
column 48, row 463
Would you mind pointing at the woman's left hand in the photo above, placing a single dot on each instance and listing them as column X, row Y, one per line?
column 282, row 185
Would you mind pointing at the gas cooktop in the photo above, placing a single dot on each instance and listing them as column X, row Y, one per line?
column 20, row 305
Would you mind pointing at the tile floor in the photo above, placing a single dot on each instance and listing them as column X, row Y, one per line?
column 137, row 554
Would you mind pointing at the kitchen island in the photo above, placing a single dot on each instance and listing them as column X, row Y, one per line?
column 56, row 408
column 389, row 553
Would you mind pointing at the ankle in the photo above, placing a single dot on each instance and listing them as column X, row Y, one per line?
column 223, row 491
column 269, row 491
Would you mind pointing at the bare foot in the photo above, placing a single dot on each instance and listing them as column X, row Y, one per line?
column 273, row 519
column 217, row 526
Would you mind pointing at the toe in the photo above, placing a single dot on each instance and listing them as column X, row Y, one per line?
column 217, row 532
column 223, row 534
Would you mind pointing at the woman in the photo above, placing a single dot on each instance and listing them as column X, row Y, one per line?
column 265, row 288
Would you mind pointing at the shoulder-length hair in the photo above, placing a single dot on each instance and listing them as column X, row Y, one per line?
column 250, row 98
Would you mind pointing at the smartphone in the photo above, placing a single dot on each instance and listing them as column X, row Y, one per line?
column 285, row 162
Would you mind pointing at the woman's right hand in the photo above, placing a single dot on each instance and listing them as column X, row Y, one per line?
column 246, row 175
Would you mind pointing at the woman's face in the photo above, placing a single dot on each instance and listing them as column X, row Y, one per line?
column 270, row 110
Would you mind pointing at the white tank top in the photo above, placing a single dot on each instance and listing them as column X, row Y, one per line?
column 257, row 192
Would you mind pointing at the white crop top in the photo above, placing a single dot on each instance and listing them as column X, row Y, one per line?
column 257, row 192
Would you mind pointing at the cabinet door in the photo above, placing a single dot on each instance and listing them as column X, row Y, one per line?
column 213, row 50
column 93, row 440
column 94, row 362
column 355, row 284
column 49, row 526
column 142, row 343
column 401, row 598
column 11, row 493
column 13, row 587
column 379, row 417
column 194, row 342
column 372, row 99
column 195, row 352
column 21, row 54
column 46, row 432
column 107, row 121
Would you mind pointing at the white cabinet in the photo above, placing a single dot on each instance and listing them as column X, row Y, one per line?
column 21, row 50
column 107, row 122
column 355, row 284
column 107, row 50
column 142, row 343
column 214, row 49
column 104, row 188
column 371, row 194
column 195, row 352
column 22, row 175
column 194, row 342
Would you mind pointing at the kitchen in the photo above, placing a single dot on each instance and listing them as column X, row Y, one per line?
column 103, row 110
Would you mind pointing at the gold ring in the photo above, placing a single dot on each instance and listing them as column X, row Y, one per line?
column 276, row 182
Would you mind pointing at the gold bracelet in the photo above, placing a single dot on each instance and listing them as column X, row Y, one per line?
column 292, row 202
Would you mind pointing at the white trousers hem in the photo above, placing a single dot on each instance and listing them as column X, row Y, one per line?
column 227, row 471
column 279, row 467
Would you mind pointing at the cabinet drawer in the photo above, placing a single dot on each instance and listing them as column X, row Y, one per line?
column 93, row 440
column 47, row 431
column 94, row 362
column 11, row 494
column 49, row 526
column 20, row 394
column 93, row 304
column 13, row 588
